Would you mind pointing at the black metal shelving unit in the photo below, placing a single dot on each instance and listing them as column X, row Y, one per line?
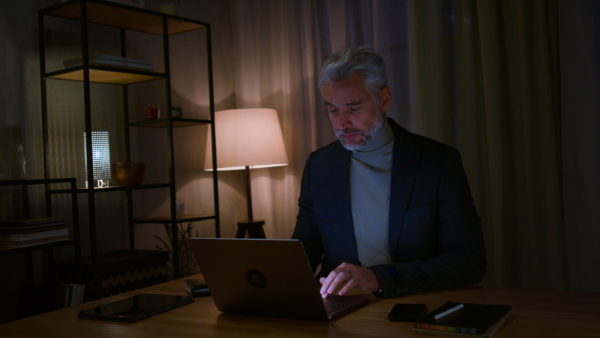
column 49, row 245
column 126, row 18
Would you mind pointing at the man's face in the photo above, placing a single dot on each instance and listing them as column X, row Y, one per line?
column 355, row 116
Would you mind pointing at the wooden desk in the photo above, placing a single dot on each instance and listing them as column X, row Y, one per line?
column 535, row 314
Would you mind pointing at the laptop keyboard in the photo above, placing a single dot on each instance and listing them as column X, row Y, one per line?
column 331, row 306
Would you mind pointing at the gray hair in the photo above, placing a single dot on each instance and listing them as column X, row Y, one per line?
column 346, row 62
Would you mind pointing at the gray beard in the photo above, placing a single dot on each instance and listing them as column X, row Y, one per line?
column 367, row 136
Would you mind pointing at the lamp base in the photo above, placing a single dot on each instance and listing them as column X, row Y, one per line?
column 254, row 228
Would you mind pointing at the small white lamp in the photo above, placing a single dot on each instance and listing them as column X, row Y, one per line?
column 247, row 139
column 100, row 158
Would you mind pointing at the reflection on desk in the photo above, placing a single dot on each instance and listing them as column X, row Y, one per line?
column 535, row 313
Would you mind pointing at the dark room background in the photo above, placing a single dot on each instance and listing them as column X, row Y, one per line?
column 512, row 84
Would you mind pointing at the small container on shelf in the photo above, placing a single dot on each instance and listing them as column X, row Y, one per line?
column 176, row 112
column 129, row 173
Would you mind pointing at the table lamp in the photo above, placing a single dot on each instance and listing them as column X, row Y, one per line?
column 100, row 158
column 247, row 139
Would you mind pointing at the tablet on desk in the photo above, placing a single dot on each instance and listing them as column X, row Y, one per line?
column 135, row 308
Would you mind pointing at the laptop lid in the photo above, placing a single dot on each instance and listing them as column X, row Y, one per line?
column 266, row 277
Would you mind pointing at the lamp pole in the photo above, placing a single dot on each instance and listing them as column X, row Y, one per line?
column 254, row 228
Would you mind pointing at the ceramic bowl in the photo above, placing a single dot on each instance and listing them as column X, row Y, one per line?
column 129, row 173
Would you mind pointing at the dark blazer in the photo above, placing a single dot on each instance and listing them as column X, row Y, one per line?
column 435, row 236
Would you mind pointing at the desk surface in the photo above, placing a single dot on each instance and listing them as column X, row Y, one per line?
column 535, row 314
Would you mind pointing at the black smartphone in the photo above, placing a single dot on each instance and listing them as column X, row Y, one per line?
column 407, row 312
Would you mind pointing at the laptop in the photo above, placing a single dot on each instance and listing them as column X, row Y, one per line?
column 267, row 277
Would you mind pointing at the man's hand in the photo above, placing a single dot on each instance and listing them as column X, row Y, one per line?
column 348, row 276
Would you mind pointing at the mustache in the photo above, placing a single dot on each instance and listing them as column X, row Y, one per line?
column 349, row 131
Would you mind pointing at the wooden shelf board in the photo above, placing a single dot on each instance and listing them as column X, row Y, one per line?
column 117, row 187
column 122, row 16
column 105, row 76
column 164, row 123
column 167, row 219
column 41, row 244
column 114, row 187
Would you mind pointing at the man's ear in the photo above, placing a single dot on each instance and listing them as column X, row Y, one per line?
column 385, row 98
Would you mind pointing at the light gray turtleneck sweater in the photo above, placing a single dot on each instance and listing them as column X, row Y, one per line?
column 370, row 182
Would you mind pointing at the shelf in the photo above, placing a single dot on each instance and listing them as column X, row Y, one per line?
column 115, row 188
column 166, row 219
column 122, row 16
column 164, row 123
column 37, row 181
column 122, row 19
column 105, row 75
column 40, row 245
column 37, row 223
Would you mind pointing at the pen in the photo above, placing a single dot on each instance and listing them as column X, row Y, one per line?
column 449, row 311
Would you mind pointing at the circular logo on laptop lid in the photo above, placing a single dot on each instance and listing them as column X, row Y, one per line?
column 256, row 278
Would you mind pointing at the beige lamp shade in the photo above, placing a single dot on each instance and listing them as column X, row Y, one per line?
column 247, row 137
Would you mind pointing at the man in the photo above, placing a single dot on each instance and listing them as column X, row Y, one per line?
column 381, row 208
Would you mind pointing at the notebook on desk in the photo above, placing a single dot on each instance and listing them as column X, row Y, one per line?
column 267, row 277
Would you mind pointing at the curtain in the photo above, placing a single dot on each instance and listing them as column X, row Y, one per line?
column 580, row 83
column 487, row 82
column 278, row 49
column 479, row 75
column 274, row 66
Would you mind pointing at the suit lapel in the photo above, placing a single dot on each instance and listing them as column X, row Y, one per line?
column 340, row 173
column 404, row 170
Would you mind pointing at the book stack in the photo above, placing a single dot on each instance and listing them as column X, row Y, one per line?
column 112, row 61
column 32, row 231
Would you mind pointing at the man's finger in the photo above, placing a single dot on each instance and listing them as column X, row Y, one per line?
column 334, row 280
